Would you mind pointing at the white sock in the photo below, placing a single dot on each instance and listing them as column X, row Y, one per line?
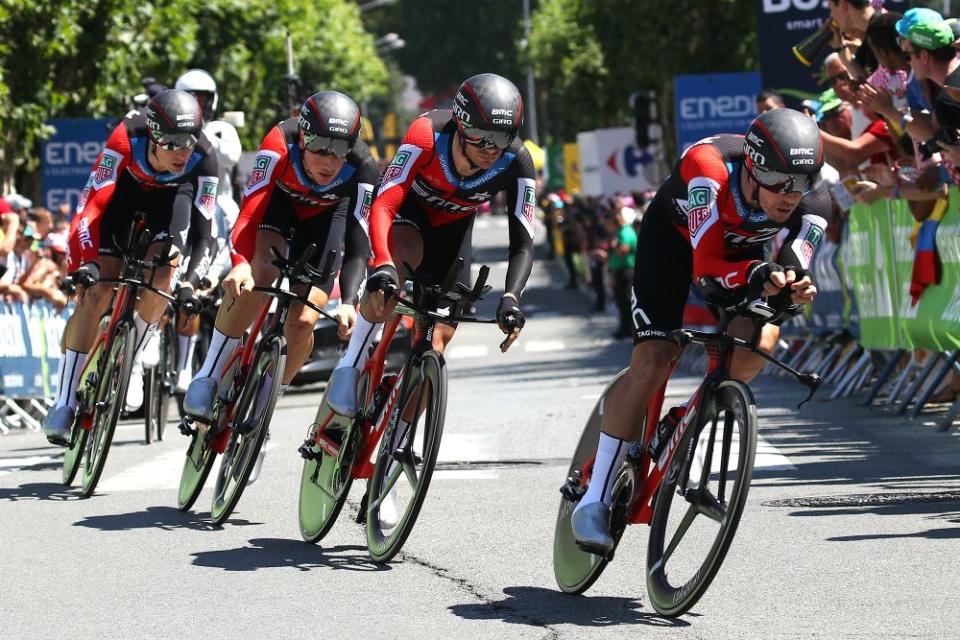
column 70, row 372
column 142, row 334
column 610, row 454
column 185, row 347
column 357, row 350
column 221, row 348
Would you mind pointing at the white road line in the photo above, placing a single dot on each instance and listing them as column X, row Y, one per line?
column 465, row 474
column 466, row 351
column 542, row 346
column 12, row 465
column 466, row 447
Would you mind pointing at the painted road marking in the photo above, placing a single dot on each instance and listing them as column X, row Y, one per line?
column 461, row 351
column 12, row 465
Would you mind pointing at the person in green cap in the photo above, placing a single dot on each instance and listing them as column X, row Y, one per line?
column 927, row 40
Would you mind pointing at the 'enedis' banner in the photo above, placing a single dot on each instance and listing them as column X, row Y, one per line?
column 878, row 256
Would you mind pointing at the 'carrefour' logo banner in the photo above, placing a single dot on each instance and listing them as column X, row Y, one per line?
column 714, row 103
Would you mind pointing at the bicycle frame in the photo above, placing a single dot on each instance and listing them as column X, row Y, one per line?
column 371, row 431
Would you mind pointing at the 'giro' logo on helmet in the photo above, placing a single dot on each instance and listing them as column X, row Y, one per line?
column 802, row 161
column 303, row 123
column 460, row 112
column 756, row 156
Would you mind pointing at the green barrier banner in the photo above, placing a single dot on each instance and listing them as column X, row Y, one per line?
column 878, row 258
column 935, row 322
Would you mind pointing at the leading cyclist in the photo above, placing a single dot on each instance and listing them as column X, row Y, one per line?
column 726, row 198
column 448, row 164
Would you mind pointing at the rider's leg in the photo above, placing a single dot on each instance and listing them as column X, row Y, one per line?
column 236, row 314
column 82, row 330
column 299, row 332
column 188, row 330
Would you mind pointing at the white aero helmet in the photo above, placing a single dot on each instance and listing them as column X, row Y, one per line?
column 198, row 82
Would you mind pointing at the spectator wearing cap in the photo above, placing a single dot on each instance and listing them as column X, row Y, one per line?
column 853, row 17
column 768, row 101
column 928, row 42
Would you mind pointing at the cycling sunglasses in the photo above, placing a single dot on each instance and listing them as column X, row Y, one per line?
column 486, row 139
column 175, row 141
column 326, row 146
column 782, row 183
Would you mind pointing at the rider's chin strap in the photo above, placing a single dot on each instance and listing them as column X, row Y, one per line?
column 463, row 150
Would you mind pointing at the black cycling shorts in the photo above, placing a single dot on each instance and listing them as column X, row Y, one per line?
column 662, row 277
column 442, row 245
column 281, row 218
column 129, row 199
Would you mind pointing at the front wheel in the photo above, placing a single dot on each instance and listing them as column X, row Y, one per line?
column 406, row 457
column 160, row 382
column 699, row 511
column 249, row 427
column 111, row 392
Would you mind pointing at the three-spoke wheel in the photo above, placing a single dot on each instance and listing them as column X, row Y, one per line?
column 407, row 456
column 698, row 507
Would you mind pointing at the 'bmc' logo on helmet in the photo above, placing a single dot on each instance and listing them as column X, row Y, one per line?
column 338, row 121
column 801, row 151
column 502, row 112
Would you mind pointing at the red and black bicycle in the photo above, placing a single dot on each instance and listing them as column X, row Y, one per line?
column 693, row 492
column 402, row 412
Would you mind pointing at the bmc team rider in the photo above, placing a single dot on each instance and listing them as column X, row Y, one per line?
column 446, row 167
column 158, row 163
column 726, row 198
column 314, row 177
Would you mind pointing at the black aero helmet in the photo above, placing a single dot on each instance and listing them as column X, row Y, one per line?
column 329, row 123
column 488, row 111
column 174, row 119
column 784, row 151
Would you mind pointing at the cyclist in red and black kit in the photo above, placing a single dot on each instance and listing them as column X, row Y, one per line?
column 313, row 178
column 159, row 163
column 449, row 163
column 726, row 198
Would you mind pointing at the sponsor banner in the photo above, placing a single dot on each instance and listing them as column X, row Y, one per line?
column 610, row 162
column 712, row 103
column 782, row 24
column 553, row 170
column 878, row 259
column 30, row 354
column 68, row 156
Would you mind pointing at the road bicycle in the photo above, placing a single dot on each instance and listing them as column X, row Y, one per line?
column 237, row 430
column 106, row 374
column 670, row 485
column 401, row 412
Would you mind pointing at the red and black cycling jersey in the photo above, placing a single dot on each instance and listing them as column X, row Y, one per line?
column 123, row 168
column 278, row 172
column 702, row 197
column 423, row 173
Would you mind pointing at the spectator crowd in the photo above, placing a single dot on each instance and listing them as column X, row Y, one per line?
column 33, row 251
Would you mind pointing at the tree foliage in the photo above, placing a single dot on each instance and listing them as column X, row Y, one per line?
column 589, row 57
column 76, row 58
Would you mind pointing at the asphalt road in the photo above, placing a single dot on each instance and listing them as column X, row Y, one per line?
column 851, row 530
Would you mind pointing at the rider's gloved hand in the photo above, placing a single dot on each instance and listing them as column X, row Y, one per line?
column 383, row 276
column 86, row 275
column 765, row 278
column 187, row 299
column 509, row 316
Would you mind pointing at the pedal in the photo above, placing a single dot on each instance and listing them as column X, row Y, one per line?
column 362, row 514
column 573, row 488
column 307, row 453
column 606, row 555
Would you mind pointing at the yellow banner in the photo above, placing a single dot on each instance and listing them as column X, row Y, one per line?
column 571, row 168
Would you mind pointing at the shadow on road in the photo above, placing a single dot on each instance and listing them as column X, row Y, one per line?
column 269, row 553
column 39, row 491
column 166, row 518
column 535, row 606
